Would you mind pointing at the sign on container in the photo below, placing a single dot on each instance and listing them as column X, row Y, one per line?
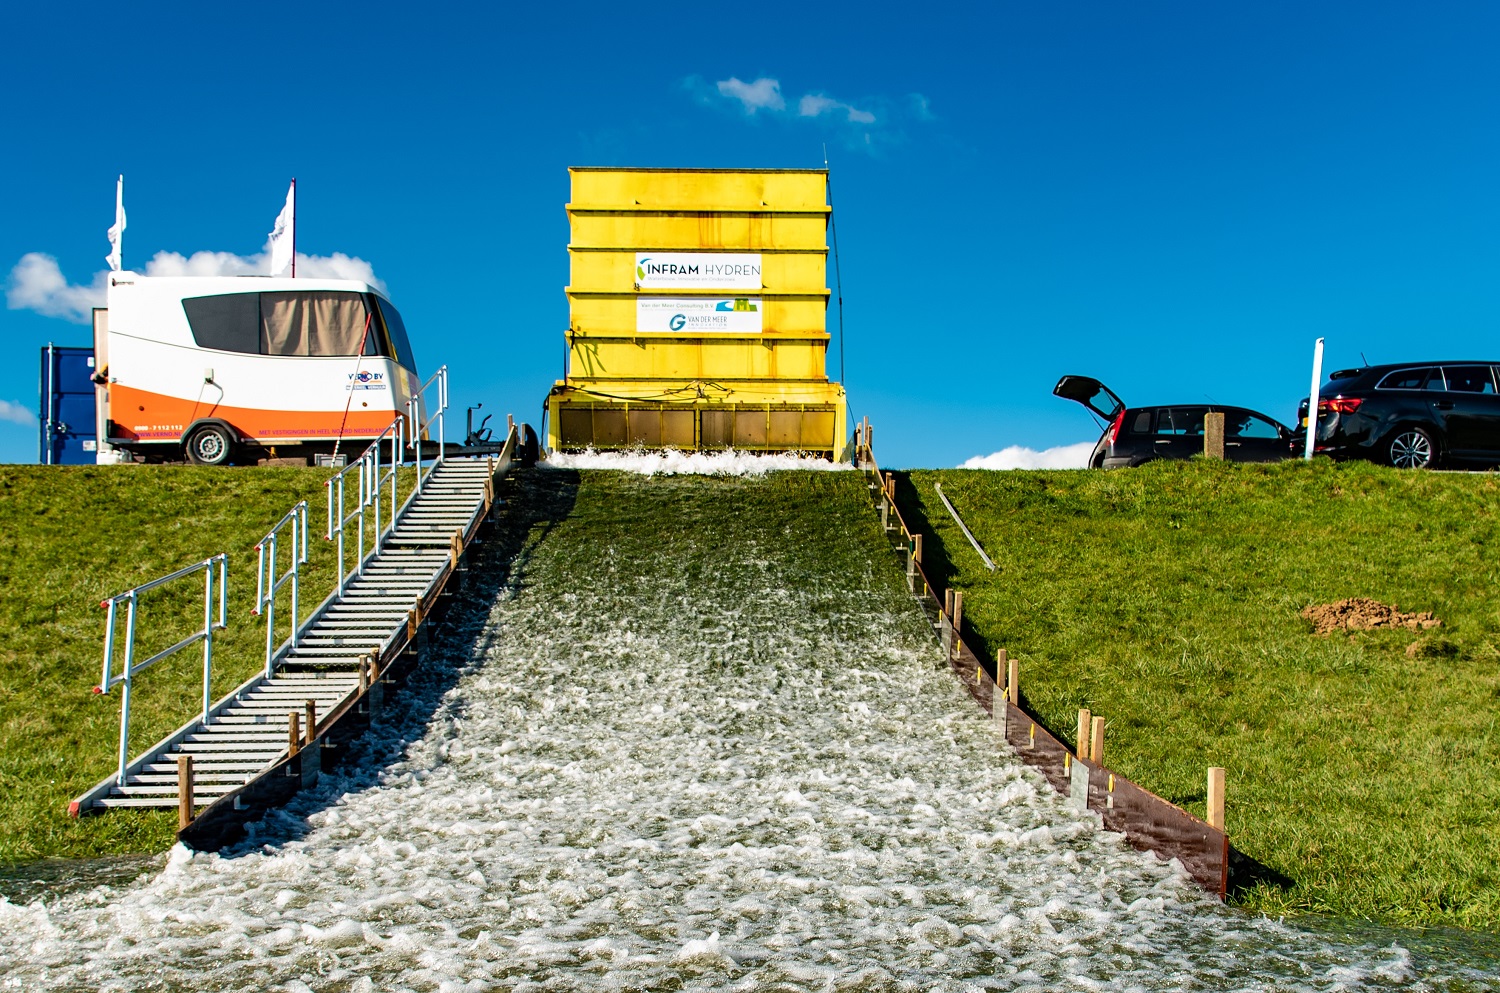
column 697, row 271
column 698, row 315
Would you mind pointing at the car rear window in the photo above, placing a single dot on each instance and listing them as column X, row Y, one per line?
column 1412, row 379
column 1469, row 379
column 1141, row 424
column 1180, row 420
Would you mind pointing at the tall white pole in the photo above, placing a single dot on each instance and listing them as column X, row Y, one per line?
column 1312, row 398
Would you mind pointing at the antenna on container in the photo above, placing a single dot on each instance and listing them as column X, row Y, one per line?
column 833, row 226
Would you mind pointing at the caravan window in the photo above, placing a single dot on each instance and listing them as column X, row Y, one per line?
column 312, row 323
column 307, row 322
column 229, row 322
column 396, row 332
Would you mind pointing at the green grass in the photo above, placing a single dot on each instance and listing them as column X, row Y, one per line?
column 69, row 537
column 1166, row 599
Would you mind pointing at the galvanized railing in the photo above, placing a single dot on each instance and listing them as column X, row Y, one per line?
column 374, row 475
column 268, row 583
column 131, row 599
column 416, row 406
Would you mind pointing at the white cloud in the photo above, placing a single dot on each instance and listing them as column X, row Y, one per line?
column 335, row 266
column 1018, row 457
column 815, row 104
column 37, row 283
column 15, row 413
column 763, row 94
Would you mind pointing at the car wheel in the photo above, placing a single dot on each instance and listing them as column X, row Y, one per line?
column 209, row 445
column 1412, row 448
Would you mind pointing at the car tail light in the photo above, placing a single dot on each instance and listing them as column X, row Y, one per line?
column 1114, row 427
column 1340, row 405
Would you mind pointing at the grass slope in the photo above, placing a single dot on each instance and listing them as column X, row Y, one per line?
column 1166, row 599
column 71, row 536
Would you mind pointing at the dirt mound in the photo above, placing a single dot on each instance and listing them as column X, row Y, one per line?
column 1362, row 614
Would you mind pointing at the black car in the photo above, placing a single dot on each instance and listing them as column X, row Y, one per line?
column 1413, row 415
column 1133, row 435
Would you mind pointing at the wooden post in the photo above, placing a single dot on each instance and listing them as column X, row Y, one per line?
column 958, row 621
column 1216, row 797
column 184, row 791
column 364, row 673
column 1213, row 434
column 312, row 722
column 293, row 733
column 869, row 441
column 455, row 548
column 947, row 622
column 1096, row 741
column 1012, row 678
column 1084, row 728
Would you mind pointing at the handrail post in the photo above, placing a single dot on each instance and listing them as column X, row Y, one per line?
column 109, row 646
column 208, row 639
column 125, row 697
column 296, row 577
column 341, row 536
column 270, row 604
column 223, row 591
column 442, row 408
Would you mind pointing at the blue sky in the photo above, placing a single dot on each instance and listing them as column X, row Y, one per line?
column 1175, row 197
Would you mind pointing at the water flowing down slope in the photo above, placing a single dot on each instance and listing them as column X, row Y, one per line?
column 685, row 733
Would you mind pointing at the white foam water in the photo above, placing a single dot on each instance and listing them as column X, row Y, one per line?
column 662, row 777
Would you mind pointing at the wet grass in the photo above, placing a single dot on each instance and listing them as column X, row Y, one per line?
column 1361, row 767
column 72, row 536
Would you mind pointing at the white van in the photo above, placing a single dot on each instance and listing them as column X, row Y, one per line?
column 238, row 368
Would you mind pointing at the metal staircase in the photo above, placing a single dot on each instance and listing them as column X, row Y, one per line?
column 330, row 661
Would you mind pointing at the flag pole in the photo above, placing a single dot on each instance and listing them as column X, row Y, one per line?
column 294, row 229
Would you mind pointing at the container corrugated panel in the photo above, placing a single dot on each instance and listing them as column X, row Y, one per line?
column 701, row 189
column 701, row 231
column 731, row 358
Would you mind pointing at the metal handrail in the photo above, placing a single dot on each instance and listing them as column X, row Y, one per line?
column 268, row 583
column 414, row 408
column 374, row 474
column 130, row 598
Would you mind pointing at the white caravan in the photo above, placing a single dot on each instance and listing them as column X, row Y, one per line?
column 235, row 368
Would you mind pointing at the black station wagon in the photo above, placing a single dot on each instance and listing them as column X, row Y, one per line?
column 1413, row 415
column 1133, row 435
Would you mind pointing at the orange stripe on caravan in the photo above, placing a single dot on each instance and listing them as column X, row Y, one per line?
column 141, row 415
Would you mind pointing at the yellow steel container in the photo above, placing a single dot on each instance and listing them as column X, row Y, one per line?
column 751, row 374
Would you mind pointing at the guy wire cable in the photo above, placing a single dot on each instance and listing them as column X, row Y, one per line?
column 838, row 278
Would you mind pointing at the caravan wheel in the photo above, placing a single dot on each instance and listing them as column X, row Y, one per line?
column 209, row 445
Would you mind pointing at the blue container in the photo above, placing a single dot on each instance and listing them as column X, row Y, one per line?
column 68, row 427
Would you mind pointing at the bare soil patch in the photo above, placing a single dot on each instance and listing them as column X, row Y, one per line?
column 1363, row 614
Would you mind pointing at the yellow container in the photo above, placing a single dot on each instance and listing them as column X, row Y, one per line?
column 659, row 362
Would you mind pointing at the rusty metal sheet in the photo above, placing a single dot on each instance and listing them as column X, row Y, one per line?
column 1152, row 824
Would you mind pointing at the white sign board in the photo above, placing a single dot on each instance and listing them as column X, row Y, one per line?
column 698, row 315
column 696, row 271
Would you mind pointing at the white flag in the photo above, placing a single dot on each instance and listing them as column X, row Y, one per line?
column 283, row 244
column 118, row 228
